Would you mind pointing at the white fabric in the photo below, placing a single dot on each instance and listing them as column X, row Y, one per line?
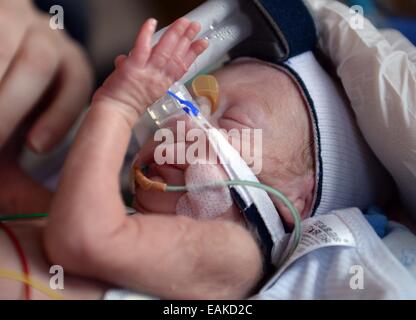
column 380, row 80
column 351, row 175
column 402, row 243
column 326, row 273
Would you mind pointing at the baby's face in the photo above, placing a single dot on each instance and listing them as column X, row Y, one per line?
column 252, row 96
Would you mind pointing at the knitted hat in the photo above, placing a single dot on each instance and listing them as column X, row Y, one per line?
column 347, row 172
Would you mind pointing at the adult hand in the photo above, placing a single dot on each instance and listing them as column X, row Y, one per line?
column 39, row 65
column 45, row 81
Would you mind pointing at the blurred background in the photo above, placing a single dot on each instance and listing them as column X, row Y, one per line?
column 396, row 14
column 108, row 27
column 114, row 25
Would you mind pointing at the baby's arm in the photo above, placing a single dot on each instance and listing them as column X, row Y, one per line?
column 88, row 232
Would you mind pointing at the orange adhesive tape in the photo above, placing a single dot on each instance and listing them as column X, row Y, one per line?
column 207, row 86
column 146, row 184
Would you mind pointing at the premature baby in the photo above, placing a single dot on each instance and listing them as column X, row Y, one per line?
column 158, row 252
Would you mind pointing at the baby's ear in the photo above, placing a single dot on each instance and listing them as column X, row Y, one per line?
column 307, row 195
column 300, row 192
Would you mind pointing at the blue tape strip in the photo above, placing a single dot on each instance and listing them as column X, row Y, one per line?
column 189, row 108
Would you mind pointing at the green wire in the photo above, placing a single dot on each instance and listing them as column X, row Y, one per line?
column 294, row 212
column 22, row 217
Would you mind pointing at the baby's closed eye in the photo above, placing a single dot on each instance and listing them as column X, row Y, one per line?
column 241, row 116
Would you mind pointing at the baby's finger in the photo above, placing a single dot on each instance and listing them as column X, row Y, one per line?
column 143, row 47
column 27, row 80
column 185, row 42
column 163, row 51
column 71, row 97
column 119, row 60
column 196, row 49
column 176, row 66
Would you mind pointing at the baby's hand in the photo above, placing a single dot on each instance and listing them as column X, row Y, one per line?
column 147, row 73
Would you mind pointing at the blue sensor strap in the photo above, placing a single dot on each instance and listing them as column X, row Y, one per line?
column 189, row 108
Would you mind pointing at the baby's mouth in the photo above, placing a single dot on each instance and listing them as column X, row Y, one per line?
column 154, row 200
